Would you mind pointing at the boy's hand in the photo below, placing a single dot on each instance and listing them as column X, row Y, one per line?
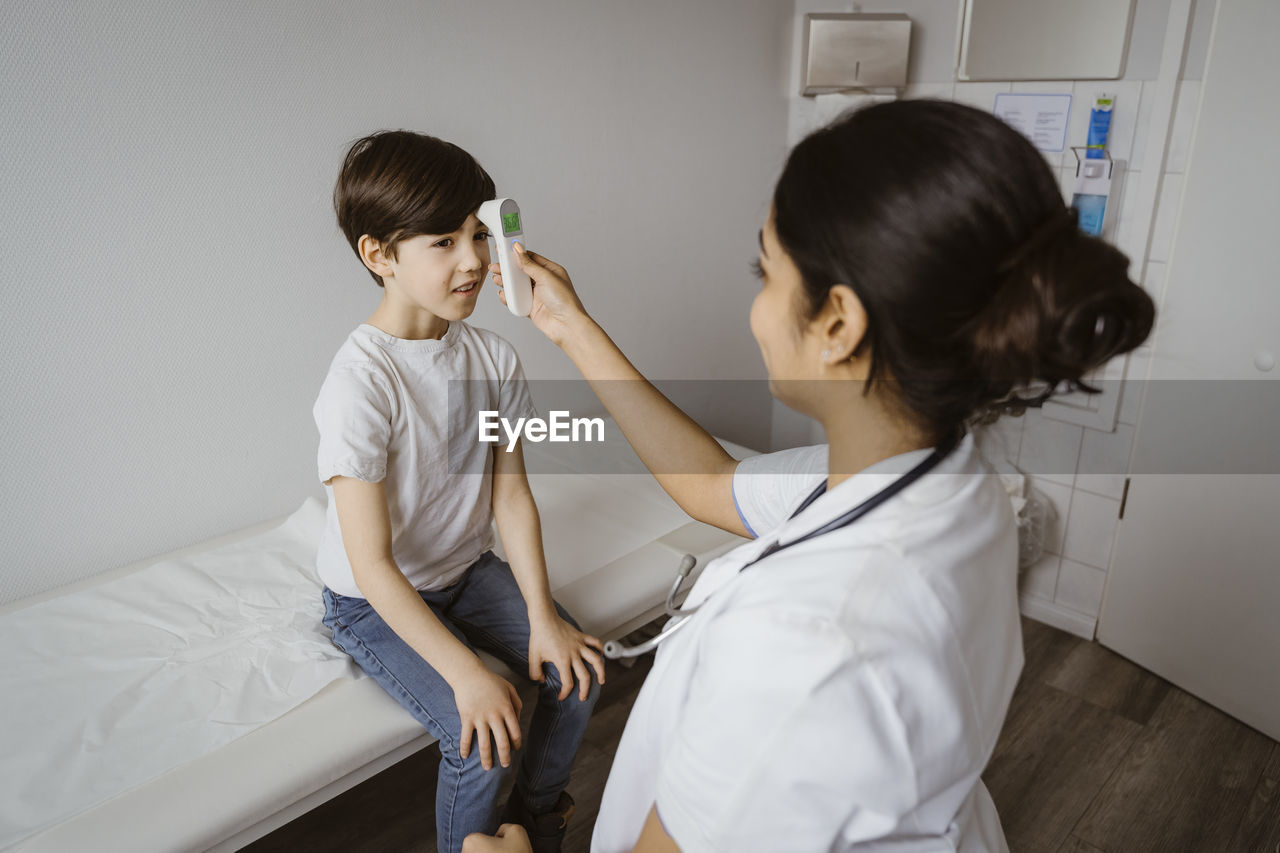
column 557, row 642
column 556, row 306
column 488, row 705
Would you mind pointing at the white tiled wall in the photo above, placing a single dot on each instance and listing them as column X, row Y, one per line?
column 1081, row 471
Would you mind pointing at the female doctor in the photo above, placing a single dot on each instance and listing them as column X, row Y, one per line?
column 842, row 682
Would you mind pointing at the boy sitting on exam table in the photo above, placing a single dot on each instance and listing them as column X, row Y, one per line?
column 411, row 585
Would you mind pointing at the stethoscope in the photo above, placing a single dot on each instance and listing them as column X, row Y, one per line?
column 680, row 615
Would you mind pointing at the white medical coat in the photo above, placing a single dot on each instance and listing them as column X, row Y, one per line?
column 843, row 694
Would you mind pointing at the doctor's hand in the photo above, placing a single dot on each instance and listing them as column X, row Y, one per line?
column 556, row 642
column 511, row 838
column 556, row 307
column 488, row 705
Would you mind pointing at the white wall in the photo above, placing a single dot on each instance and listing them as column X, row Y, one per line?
column 175, row 283
column 1065, row 588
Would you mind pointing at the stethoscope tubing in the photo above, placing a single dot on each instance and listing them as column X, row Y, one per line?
column 680, row 616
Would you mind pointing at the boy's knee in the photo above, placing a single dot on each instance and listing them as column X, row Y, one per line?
column 473, row 764
column 552, row 686
column 593, row 693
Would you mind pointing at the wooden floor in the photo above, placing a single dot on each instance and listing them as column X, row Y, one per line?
column 1097, row 756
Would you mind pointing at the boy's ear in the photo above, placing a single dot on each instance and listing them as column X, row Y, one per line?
column 372, row 255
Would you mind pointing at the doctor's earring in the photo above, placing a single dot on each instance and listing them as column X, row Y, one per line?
column 827, row 362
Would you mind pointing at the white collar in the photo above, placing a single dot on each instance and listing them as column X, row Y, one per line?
column 834, row 503
column 867, row 482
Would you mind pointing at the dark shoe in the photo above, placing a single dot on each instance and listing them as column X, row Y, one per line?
column 546, row 830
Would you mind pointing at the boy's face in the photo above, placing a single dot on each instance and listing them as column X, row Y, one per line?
column 441, row 273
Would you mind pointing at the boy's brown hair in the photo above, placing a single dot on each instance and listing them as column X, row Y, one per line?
column 396, row 184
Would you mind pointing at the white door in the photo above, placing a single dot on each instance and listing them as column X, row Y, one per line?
column 1194, row 589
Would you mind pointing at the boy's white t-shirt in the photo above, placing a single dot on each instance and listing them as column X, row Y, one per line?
column 405, row 412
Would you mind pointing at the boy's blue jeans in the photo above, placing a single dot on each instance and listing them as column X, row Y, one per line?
column 484, row 609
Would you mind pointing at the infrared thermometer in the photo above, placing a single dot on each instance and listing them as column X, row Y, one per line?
column 502, row 217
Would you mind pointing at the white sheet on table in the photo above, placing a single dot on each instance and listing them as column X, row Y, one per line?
column 108, row 687
column 582, row 532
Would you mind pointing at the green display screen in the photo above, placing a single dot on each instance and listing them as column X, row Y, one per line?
column 511, row 222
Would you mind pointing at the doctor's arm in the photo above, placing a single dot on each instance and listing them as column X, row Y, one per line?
column 686, row 460
column 653, row 837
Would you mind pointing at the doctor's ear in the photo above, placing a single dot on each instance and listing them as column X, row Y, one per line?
column 841, row 325
column 374, row 256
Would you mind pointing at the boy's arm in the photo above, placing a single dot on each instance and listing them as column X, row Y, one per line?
column 486, row 703
column 520, row 528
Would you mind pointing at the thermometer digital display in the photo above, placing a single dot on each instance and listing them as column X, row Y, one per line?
column 502, row 216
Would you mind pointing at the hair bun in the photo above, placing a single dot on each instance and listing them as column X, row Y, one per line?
column 1094, row 331
column 1064, row 308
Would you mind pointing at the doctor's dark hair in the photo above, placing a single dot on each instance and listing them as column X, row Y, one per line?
column 396, row 184
column 950, row 228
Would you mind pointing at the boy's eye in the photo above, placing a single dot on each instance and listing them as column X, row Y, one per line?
column 482, row 235
column 444, row 244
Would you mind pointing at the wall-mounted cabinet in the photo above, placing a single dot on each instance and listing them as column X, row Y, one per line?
column 1044, row 39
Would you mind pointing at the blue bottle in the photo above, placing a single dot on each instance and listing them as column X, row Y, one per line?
column 1093, row 178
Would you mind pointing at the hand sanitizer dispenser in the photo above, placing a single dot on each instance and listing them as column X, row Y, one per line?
column 1093, row 187
column 1094, row 171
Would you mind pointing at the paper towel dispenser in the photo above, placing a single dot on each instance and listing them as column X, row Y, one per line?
column 844, row 50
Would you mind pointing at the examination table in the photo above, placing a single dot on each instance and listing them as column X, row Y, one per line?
column 195, row 702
